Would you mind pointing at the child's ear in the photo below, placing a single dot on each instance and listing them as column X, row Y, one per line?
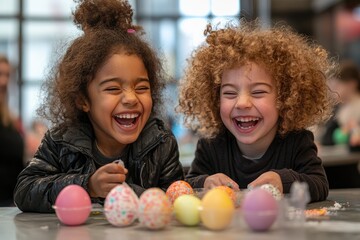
column 82, row 103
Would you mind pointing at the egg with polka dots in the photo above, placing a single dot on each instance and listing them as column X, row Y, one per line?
column 274, row 191
column 155, row 209
column 121, row 206
column 178, row 188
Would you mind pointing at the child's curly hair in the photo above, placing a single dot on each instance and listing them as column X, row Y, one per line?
column 108, row 29
column 299, row 67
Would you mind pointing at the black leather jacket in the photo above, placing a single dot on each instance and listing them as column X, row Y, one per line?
column 64, row 159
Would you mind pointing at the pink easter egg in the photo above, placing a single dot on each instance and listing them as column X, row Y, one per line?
column 73, row 205
column 260, row 209
column 155, row 209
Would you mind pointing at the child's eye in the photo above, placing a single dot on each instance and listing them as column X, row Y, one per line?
column 112, row 89
column 142, row 89
column 258, row 93
column 229, row 94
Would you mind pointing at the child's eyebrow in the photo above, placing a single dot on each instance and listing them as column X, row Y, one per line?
column 226, row 85
column 138, row 80
column 252, row 84
column 142, row 79
column 262, row 83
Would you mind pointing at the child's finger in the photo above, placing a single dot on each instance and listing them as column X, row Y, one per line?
column 230, row 183
column 116, row 168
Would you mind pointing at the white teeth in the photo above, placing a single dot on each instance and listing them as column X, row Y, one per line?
column 247, row 119
column 245, row 128
column 128, row 115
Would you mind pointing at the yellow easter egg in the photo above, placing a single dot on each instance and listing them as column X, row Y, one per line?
column 186, row 209
column 217, row 209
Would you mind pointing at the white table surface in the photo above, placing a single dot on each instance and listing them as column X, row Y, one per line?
column 341, row 223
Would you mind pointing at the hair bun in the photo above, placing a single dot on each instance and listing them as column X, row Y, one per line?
column 104, row 14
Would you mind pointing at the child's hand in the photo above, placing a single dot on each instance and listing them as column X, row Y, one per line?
column 105, row 178
column 220, row 179
column 268, row 178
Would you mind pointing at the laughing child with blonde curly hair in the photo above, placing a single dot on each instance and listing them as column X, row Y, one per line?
column 252, row 93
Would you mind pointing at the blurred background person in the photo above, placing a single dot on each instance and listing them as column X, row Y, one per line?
column 349, row 112
column 11, row 140
column 346, row 117
column 33, row 138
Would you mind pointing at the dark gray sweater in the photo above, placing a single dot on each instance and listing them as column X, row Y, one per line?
column 293, row 157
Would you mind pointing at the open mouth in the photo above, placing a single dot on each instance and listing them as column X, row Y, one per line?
column 246, row 123
column 127, row 120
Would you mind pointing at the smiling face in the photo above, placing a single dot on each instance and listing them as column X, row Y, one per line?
column 119, row 102
column 248, row 107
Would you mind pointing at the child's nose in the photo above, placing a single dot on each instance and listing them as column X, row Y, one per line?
column 129, row 97
column 243, row 101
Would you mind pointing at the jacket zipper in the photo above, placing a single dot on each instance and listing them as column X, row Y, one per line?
column 161, row 139
column 141, row 179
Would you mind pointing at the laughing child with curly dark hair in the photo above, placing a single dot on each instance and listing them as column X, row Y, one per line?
column 102, row 100
column 252, row 93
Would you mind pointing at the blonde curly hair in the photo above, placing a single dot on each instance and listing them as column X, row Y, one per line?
column 299, row 67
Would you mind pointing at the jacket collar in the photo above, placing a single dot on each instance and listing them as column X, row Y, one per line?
column 82, row 136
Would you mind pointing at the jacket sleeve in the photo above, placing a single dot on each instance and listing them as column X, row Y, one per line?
column 41, row 181
column 201, row 167
column 308, row 168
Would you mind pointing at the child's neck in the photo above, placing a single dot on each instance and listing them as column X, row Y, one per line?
column 253, row 157
column 257, row 149
column 106, row 153
column 253, row 151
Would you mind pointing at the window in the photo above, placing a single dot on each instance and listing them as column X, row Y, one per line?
column 176, row 28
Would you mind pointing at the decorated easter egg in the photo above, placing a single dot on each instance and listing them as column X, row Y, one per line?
column 72, row 205
column 260, row 209
column 155, row 209
column 217, row 209
column 177, row 189
column 272, row 190
column 186, row 209
column 121, row 206
column 229, row 191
